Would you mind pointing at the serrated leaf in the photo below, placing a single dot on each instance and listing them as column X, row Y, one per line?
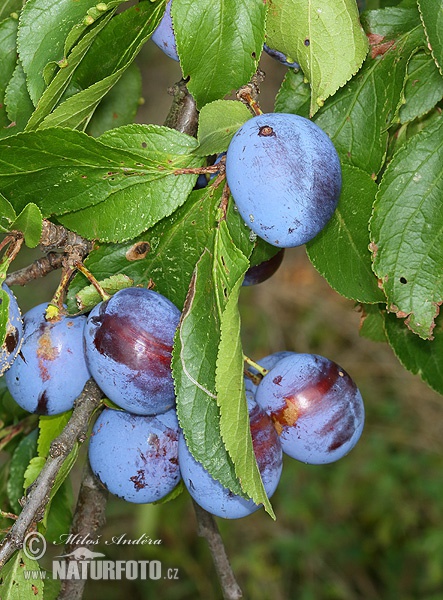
column 18, row 103
column 32, row 471
column 44, row 25
column 8, row 53
column 357, row 117
column 294, row 95
column 119, row 106
column 166, row 253
column 128, row 179
column 340, row 252
column 4, row 314
column 231, row 397
column 423, row 87
column 112, row 52
column 58, row 85
column 432, row 17
column 21, row 457
column 30, row 223
column 88, row 297
column 7, row 214
column 421, row 357
column 372, row 323
column 15, row 586
column 219, row 43
column 49, row 428
column 218, row 121
column 326, row 38
column 406, row 230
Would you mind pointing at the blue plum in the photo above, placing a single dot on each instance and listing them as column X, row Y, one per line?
column 128, row 345
column 282, row 58
column 134, row 456
column 50, row 370
column 215, row 498
column 267, row 362
column 315, row 405
column 263, row 271
column 163, row 35
column 285, row 177
column 14, row 333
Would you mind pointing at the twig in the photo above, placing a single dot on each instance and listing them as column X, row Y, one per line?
column 39, row 268
column 39, row 492
column 207, row 528
column 89, row 518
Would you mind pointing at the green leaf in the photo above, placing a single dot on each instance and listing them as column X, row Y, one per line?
column 432, row 17
column 32, row 471
column 30, row 223
column 119, row 106
column 8, row 53
column 231, row 395
column 58, row 85
column 14, row 584
column 340, row 252
column 44, row 25
column 372, row 323
column 21, row 457
column 59, row 518
column 357, row 117
column 422, row 357
column 406, row 230
column 423, row 87
column 127, row 176
column 112, row 52
column 7, row 214
column 89, row 297
column 4, row 314
column 10, row 6
column 219, row 43
column 18, row 103
column 49, row 428
column 166, row 253
column 294, row 95
column 218, row 122
column 326, row 38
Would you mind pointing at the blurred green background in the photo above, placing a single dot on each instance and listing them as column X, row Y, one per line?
column 367, row 527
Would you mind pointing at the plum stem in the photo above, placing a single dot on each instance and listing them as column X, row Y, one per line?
column 90, row 277
column 255, row 365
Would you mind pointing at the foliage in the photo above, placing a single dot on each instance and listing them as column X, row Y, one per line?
column 372, row 82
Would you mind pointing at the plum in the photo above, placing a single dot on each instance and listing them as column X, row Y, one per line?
column 315, row 405
column 128, row 345
column 163, row 35
column 134, row 456
column 264, row 270
column 285, row 177
column 267, row 362
column 210, row 494
column 282, row 58
column 14, row 332
column 50, row 370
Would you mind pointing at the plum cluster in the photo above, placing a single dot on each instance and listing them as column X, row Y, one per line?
column 303, row 405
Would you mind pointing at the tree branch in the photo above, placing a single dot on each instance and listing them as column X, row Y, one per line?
column 207, row 528
column 89, row 518
column 40, row 491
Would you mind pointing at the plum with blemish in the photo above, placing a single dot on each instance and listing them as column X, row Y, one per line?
column 285, row 177
column 134, row 456
column 14, row 332
column 128, row 346
column 50, row 370
column 164, row 36
column 210, row 493
column 315, row 406
column 267, row 362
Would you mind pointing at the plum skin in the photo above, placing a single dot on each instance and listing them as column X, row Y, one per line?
column 164, row 36
column 315, row 405
column 285, row 177
column 50, row 370
column 264, row 270
column 267, row 362
column 135, row 457
column 128, row 345
column 210, row 493
column 14, row 332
